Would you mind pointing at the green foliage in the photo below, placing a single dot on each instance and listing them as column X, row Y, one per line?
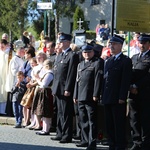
column 77, row 15
column 90, row 34
column 64, row 8
column 12, row 15
column 15, row 15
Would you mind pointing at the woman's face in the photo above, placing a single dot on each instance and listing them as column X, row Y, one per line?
column 40, row 59
column 27, row 56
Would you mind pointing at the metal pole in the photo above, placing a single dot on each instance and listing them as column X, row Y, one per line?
column 45, row 13
column 129, row 44
column 49, row 24
column 112, row 17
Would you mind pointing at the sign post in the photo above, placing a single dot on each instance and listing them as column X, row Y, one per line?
column 44, row 6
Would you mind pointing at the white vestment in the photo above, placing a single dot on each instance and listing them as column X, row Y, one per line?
column 4, row 57
column 14, row 66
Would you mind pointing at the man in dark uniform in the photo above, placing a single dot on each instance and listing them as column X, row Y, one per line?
column 86, row 94
column 50, row 51
column 63, row 86
column 139, row 98
column 117, row 77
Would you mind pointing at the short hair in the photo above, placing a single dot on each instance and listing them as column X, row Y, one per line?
column 48, row 64
column 33, row 59
column 25, row 33
column 3, row 41
column 4, row 35
column 20, row 73
column 43, row 54
column 30, row 51
column 47, row 38
column 53, row 44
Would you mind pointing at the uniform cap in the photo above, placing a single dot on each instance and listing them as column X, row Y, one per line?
column 116, row 39
column 87, row 48
column 144, row 37
column 65, row 37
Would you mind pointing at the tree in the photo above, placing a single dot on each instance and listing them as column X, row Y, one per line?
column 13, row 15
column 64, row 9
column 77, row 15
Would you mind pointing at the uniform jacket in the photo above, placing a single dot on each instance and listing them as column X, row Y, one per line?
column 65, row 68
column 52, row 57
column 89, row 79
column 141, row 73
column 117, row 78
column 18, row 92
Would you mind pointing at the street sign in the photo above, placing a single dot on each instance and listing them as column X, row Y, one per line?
column 44, row 6
column 133, row 15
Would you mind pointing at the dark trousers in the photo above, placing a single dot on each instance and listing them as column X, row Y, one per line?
column 139, row 112
column 9, row 109
column 115, row 125
column 64, row 117
column 78, row 126
column 54, row 119
column 87, row 115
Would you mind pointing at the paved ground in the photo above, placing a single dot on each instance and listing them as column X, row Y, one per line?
column 24, row 139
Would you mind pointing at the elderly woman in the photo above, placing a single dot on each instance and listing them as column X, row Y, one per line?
column 44, row 97
column 38, row 71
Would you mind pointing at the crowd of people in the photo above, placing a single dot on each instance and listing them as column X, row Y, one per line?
column 48, row 88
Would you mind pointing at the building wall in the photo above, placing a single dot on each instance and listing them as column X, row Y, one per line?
column 92, row 13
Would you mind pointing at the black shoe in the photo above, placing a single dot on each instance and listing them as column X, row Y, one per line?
column 135, row 147
column 42, row 133
column 65, row 141
column 31, row 128
column 18, row 126
column 82, row 145
column 76, row 137
column 37, row 129
column 56, row 138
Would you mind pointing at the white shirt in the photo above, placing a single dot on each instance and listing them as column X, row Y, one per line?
column 47, row 77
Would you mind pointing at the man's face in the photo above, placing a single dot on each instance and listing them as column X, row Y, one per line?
column 64, row 44
column 2, row 46
column 58, row 49
column 22, row 52
column 88, row 55
column 115, row 48
column 144, row 46
column 49, row 49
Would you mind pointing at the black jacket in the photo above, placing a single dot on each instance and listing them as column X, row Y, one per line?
column 18, row 92
column 89, row 79
column 141, row 75
column 65, row 68
column 117, row 78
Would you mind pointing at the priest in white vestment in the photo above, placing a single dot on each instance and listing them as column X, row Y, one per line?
column 14, row 66
column 5, row 56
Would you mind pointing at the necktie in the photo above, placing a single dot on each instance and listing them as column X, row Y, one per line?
column 114, row 58
column 141, row 55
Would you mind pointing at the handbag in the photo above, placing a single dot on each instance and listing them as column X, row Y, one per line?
column 28, row 97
